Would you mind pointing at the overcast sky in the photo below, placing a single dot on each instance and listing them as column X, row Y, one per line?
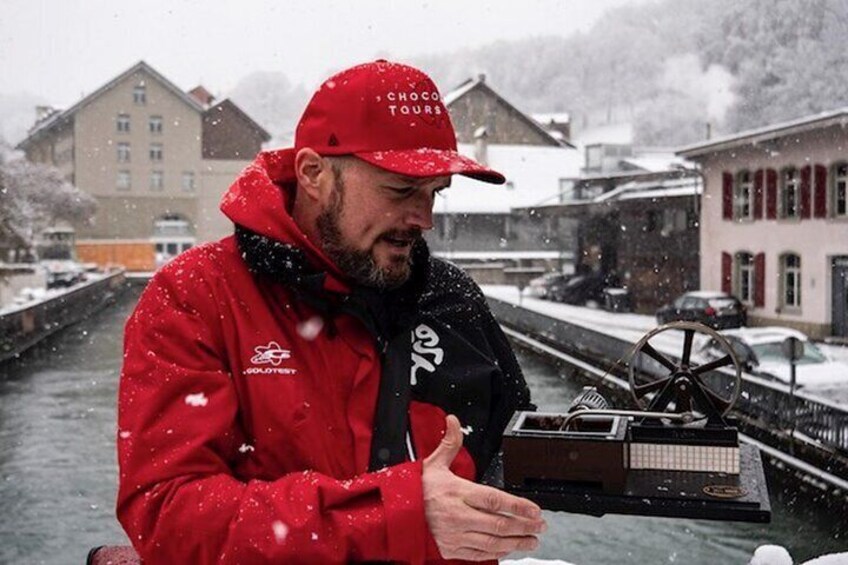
column 59, row 50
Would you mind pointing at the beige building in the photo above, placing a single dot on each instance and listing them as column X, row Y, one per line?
column 157, row 160
column 774, row 221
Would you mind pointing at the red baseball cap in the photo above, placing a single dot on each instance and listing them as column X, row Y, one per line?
column 389, row 115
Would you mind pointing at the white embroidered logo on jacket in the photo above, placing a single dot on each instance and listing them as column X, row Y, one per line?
column 271, row 354
column 424, row 342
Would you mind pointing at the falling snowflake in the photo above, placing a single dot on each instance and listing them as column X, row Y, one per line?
column 196, row 400
column 245, row 448
column 281, row 531
column 124, row 435
column 310, row 328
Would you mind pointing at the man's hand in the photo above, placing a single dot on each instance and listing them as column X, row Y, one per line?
column 471, row 521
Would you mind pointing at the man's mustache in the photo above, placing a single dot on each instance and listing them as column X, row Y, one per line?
column 411, row 234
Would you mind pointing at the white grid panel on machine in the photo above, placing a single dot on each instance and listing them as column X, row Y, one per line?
column 672, row 457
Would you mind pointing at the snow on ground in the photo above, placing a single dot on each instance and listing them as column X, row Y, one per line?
column 29, row 297
column 632, row 327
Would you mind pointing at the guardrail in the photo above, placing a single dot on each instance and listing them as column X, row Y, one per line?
column 22, row 328
column 802, row 418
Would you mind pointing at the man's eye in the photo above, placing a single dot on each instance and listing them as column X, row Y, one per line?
column 402, row 190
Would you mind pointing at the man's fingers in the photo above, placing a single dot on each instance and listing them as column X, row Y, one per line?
column 493, row 500
column 505, row 525
column 494, row 545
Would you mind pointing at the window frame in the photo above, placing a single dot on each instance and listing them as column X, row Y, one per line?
column 123, row 174
column 155, row 125
column 192, row 186
column 157, row 180
column 839, row 183
column 790, row 292
column 790, row 186
column 156, row 152
column 743, row 192
column 123, row 123
column 124, row 152
column 745, row 275
column 139, row 94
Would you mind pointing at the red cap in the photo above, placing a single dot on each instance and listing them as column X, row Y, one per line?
column 391, row 116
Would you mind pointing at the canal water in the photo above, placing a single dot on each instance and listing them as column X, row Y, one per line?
column 58, row 470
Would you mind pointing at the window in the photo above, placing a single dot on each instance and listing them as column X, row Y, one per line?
column 157, row 180
column 791, row 279
column 140, row 95
column 123, row 123
column 790, row 193
column 124, row 180
column 745, row 277
column 172, row 234
column 840, row 193
column 742, row 193
column 188, row 181
column 673, row 220
column 566, row 190
column 123, row 152
column 154, row 124
column 652, row 221
column 155, row 151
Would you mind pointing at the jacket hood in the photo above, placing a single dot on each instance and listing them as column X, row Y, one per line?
column 260, row 201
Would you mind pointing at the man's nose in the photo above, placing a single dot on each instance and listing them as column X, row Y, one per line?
column 420, row 215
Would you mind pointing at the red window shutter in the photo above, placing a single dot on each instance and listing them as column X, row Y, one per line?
column 806, row 173
column 758, row 194
column 820, row 195
column 771, row 194
column 726, row 272
column 760, row 280
column 727, row 196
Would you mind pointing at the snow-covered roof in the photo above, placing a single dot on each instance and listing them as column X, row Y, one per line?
column 612, row 134
column 781, row 129
column 468, row 255
column 480, row 82
column 556, row 117
column 460, row 91
column 63, row 116
column 533, row 176
column 660, row 188
column 655, row 163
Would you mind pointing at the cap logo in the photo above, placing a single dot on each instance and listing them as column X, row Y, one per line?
column 333, row 141
column 420, row 99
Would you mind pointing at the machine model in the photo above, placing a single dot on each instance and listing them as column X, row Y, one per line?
column 677, row 455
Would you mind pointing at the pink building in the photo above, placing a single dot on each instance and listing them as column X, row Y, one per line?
column 774, row 221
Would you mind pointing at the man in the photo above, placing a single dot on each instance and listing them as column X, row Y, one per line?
column 316, row 388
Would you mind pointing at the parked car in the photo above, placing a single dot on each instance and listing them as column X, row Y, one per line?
column 63, row 272
column 714, row 309
column 540, row 287
column 580, row 289
column 760, row 352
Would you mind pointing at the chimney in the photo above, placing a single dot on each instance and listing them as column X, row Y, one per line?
column 481, row 153
column 43, row 112
column 202, row 96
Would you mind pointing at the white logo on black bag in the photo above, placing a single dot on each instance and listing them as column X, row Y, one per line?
column 425, row 354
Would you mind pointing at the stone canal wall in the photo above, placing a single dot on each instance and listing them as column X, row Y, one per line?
column 24, row 327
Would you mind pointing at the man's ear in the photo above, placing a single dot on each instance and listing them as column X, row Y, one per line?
column 310, row 169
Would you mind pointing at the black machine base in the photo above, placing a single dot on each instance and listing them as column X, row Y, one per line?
column 677, row 494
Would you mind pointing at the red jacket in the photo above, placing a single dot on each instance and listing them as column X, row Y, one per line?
column 247, row 409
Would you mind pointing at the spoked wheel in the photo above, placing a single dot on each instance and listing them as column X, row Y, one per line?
column 680, row 381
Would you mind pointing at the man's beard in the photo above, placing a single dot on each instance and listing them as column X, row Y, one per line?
column 356, row 264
